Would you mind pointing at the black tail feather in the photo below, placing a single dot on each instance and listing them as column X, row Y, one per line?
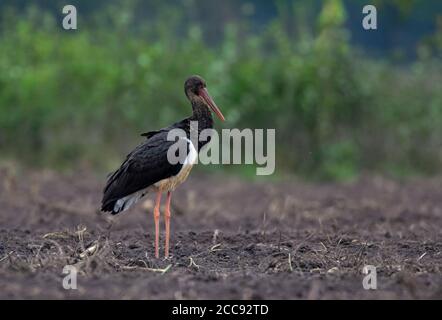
column 108, row 206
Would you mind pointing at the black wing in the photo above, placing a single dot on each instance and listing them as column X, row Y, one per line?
column 144, row 166
column 183, row 124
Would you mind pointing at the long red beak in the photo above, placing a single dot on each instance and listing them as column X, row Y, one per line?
column 205, row 95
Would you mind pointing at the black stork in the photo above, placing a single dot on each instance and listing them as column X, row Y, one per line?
column 147, row 167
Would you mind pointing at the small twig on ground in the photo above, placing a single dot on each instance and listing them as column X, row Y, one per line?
column 56, row 234
column 192, row 263
column 290, row 262
column 215, row 236
column 89, row 251
column 80, row 232
column 215, row 247
column 264, row 225
column 162, row 271
column 6, row 256
column 423, row 255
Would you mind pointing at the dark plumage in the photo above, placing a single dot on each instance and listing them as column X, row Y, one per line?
column 147, row 168
column 144, row 166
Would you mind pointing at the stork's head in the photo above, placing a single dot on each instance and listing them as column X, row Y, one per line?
column 195, row 88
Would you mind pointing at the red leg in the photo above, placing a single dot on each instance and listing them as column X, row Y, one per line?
column 167, row 218
column 156, row 216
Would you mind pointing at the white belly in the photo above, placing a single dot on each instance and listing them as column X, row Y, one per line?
column 171, row 183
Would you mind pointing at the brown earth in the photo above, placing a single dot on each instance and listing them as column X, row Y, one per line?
column 230, row 239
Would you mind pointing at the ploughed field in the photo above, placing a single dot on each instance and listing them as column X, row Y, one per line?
column 231, row 239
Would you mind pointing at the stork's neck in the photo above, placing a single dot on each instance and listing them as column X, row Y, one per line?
column 202, row 114
column 203, row 117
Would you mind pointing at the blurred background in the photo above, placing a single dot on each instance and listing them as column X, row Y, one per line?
column 344, row 101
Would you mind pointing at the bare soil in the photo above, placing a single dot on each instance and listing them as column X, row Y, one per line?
column 230, row 240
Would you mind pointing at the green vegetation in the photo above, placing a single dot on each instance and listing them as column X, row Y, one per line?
column 81, row 98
